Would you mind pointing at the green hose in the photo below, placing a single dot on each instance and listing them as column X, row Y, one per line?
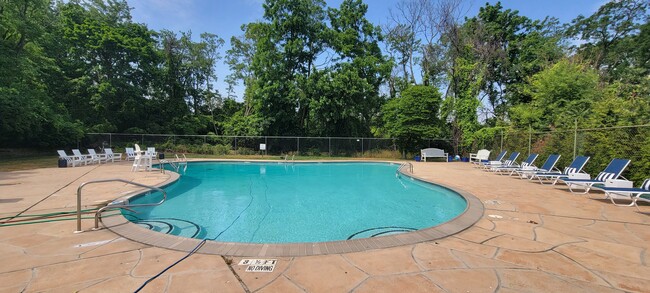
column 54, row 220
column 46, row 215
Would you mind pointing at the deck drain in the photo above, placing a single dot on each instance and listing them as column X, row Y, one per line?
column 495, row 216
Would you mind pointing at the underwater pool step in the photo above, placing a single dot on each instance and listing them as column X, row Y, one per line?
column 172, row 226
column 380, row 231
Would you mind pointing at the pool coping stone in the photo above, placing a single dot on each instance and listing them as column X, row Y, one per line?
column 472, row 214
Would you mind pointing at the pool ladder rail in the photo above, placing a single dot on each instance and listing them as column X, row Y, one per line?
column 176, row 164
column 404, row 165
column 117, row 204
column 286, row 158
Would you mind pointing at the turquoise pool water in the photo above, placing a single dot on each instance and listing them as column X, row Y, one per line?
column 301, row 202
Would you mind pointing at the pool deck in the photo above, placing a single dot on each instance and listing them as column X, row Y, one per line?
column 531, row 238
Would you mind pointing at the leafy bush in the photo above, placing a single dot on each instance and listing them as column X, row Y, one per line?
column 221, row 149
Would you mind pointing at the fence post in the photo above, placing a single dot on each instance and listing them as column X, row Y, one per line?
column 266, row 146
column 142, row 139
column 575, row 138
column 235, row 145
column 110, row 139
column 298, row 145
column 530, row 137
column 362, row 147
column 501, row 140
column 329, row 146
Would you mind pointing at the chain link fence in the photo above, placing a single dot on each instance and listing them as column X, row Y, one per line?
column 600, row 144
column 259, row 145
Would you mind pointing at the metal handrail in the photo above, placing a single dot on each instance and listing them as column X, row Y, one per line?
column 115, row 205
column 405, row 164
column 176, row 164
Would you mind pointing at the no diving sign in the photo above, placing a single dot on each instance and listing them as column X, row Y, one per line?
column 259, row 265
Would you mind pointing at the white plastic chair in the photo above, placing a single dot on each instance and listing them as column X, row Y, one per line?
column 479, row 156
column 97, row 157
column 85, row 158
column 110, row 155
column 151, row 151
column 130, row 154
column 71, row 160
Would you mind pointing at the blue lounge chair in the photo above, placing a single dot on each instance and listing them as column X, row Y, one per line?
column 496, row 164
column 499, row 158
column 575, row 167
column 633, row 194
column 514, row 166
column 548, row 166
column 612, row 171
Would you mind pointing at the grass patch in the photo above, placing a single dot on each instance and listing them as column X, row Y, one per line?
column 28, row 163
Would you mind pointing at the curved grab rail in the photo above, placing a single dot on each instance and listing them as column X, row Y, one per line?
column 405, row 164
column 113, row 206
column 176, row 164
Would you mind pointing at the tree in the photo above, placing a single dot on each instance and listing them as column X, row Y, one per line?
column 31, row 114
column 603, row 33
column 344, row 98
column 285, row 51
column 511, row 47
column 560, row 94
column 413, row 117
column 239, row 58
column 109, row 63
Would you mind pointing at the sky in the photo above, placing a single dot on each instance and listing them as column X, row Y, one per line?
column 224, row 18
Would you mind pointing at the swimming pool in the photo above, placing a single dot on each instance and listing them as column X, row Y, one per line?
column 257, row 202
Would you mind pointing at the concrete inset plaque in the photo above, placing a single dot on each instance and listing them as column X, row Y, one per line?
column 259, row 265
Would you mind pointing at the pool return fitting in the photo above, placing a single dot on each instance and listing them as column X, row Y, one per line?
column 115, row 204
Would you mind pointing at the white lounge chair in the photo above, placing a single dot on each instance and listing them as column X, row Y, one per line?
column 493, row 165
column 110, row 155
column 554, row 176
column 497, row 160
column 548, row 166
column 151, row 151
column 130, row 154
column 612, row 171
column 632, row 194
column 529, row 162
column 97, row 157
column 479, row 156
column 87, row 158
column 71, row 160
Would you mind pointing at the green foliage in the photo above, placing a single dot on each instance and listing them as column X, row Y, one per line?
column 413, row 118
column 243, row 125
column 31, row 116
column 118, row 55
column 560, row 95
column 511, row 47
column 608, row 35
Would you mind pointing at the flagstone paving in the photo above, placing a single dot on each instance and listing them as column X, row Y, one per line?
column 531, row 238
